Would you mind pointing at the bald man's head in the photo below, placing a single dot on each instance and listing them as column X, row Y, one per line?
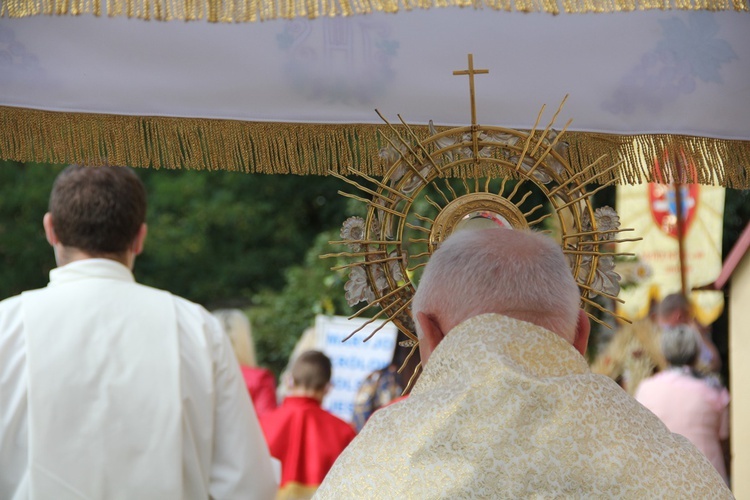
column 516, row 273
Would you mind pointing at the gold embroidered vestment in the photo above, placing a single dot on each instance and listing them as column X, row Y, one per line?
column 507, row 409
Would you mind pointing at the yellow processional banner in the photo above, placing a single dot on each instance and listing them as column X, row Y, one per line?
column 650, row 209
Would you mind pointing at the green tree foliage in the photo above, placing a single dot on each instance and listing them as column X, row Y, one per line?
column 25, row 256
column 219, row 238
column 736, row 217
column 280, row 317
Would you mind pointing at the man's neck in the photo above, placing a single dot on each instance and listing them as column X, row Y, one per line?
column 303, row 392
column 66, row 255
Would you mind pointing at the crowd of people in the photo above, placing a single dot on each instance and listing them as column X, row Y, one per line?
column 110, row 389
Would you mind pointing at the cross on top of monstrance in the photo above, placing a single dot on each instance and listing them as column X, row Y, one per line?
column 471, row 72
column 474, row 139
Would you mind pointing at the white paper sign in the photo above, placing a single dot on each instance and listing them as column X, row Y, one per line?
column 354, row 359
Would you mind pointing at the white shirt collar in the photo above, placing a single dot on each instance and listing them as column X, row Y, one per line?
column 90, row 268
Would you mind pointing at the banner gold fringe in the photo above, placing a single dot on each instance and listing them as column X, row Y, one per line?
column 244, row 11
column 661, row 157
column 29, row 135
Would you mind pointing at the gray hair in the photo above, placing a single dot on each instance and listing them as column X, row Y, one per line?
column 680, row 345
column 672, row 303
column 517, row 273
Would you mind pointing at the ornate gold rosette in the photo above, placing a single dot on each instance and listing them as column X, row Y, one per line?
column 466, row 177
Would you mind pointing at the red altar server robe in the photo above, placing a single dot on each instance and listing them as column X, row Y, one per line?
column 262, row 388
column 307, row 439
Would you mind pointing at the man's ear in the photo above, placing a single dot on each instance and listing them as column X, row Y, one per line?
column 140, row 239
column 432, row 335
column 583, row 328
column 49, row 229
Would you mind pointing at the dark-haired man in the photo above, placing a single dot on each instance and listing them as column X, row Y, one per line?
column 306, row 438
column 110, row 389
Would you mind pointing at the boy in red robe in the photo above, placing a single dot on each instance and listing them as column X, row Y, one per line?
column 306, row 438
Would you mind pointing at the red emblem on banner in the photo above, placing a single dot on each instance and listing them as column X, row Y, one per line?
column 663, row 203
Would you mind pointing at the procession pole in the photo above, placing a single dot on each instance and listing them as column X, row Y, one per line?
column 680, row 225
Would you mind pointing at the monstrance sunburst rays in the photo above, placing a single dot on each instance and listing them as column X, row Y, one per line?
column 468, row 176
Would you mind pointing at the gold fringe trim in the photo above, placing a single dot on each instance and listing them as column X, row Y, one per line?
column 661, row 157
column 243, row 11
column 29, row 135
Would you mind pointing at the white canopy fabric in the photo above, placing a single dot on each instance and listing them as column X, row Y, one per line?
column 299, row 96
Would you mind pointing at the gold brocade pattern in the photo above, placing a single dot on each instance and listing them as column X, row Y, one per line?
column 30, row 135
column 295, row 491
column 506, row 409
column 229, row 11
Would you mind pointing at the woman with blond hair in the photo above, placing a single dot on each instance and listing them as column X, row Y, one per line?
column 260, row 382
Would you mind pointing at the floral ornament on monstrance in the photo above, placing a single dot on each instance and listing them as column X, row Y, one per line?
column 499, row 141
column 390, row 156
column 395, row 267
column 378, row 277
column 353, row 232
column 606, row 280
column 448, row 141
column 358, row 288
column 607, row 220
